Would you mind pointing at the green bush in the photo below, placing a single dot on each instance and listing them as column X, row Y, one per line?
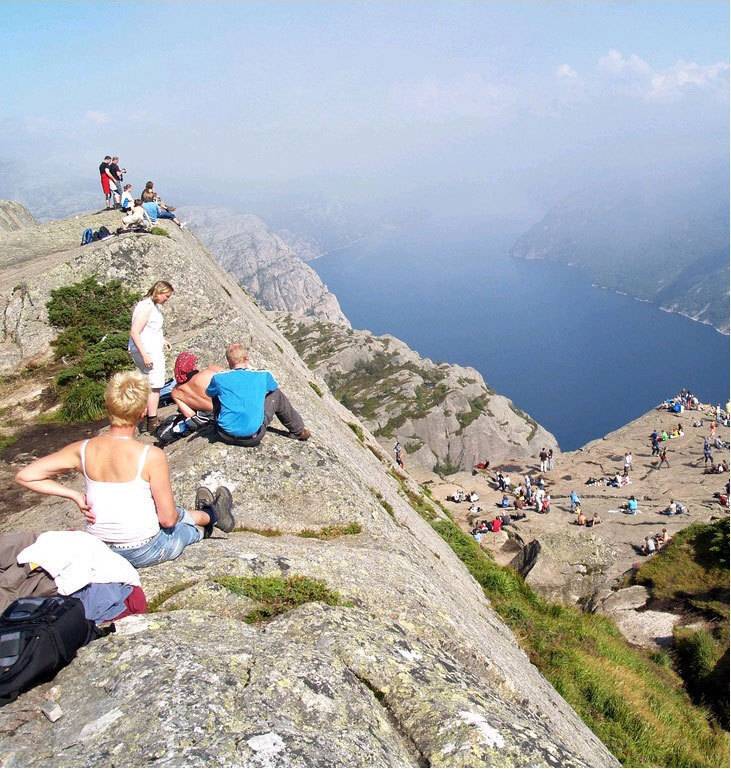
column 159, row 231
column 94, row 320
column 83, row 401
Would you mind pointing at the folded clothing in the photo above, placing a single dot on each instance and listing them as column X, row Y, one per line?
column 76, row 559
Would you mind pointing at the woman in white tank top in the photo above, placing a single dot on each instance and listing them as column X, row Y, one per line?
column 128, row 500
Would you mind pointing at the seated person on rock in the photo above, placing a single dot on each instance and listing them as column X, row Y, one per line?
column 580, row 517
column 632, row 505
column 137, row 217
column 245, row 401
column 128, row 502
column 504, row 502
column 189, row 394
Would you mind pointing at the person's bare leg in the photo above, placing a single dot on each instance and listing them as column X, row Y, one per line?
column 183, row 407
column 153, row 399
column 200, row 518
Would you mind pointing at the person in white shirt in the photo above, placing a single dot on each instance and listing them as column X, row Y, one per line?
column 128, row 501
column 127, row 202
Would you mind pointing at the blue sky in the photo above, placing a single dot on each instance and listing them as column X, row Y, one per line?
column 414, row 98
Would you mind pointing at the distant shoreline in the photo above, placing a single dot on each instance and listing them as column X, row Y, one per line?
column 668, row 310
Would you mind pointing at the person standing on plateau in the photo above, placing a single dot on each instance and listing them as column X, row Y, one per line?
column 147, row 344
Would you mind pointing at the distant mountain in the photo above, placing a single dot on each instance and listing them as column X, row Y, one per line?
column 262, row 262
column 656, row 240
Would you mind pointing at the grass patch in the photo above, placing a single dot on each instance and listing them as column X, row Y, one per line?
column 692, row 573
column 332, row 532
column 316, row 389
column 279, row 347
column 411, row 447
column 387, row 506
column 156, row 603
column 93, row 321
column 260, row 532
column 478, row 407
column 6, row 441
column 277, row 595
column 419, row 502
column 637, row 707
column 445, row 467
column 692, row 569
column 161, row 231
column 358, row 430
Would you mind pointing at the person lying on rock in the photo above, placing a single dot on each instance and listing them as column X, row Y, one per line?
column 246, row 400
column 128, row 501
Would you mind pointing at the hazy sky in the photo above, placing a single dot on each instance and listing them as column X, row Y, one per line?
column 501, row 105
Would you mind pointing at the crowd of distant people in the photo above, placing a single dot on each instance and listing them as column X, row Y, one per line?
column 140, row 213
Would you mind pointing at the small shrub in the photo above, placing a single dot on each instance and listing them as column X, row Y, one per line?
column 276, row 595
column 84, row 401
column 358, row 430
column 331, row 532
column 260, row 532
column 161, row 231
column 156, row 603
column 445, row 467
column 6, row 441
column 315, row 388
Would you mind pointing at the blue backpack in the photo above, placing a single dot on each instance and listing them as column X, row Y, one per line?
column 87, row 237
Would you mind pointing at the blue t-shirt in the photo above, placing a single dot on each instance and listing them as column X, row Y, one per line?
column 152, row 210
column 241, row 393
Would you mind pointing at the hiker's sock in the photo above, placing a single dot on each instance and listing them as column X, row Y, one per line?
column 211, row 512
column 152, row 423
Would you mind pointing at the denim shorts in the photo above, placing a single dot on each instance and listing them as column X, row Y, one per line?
column 166, row 545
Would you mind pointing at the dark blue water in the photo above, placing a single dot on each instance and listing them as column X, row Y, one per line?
column 581, row 360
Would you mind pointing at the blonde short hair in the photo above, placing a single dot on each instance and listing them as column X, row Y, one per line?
column 126, row 397
column 236, row 353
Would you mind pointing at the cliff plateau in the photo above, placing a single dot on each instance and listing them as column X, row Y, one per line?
column 410, row 666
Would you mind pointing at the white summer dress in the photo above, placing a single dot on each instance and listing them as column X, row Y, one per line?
column 153, row 342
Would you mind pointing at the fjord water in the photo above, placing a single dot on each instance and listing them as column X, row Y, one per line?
column 581, row 360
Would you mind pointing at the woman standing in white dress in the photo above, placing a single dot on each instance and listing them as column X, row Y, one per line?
column 147, row 344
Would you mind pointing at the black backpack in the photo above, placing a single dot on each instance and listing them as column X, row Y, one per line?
column 39, row 637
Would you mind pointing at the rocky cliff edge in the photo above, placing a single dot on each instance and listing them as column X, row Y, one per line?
column 412, row 668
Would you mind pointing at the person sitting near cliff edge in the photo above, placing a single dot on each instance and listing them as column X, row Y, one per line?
column 246, row 400
column 189, row 394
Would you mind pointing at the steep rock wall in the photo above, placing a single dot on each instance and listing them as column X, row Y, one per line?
column 445, row 416
column 262, row 262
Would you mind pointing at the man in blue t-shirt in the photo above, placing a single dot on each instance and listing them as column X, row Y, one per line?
column 245, row 402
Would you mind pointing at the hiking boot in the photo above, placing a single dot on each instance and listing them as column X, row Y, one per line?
column 204, row 501
column 152, row 424
column 223, row 506
column 302, row 435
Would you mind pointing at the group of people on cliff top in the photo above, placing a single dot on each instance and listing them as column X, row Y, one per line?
column 139, row 212
column 128, row 499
